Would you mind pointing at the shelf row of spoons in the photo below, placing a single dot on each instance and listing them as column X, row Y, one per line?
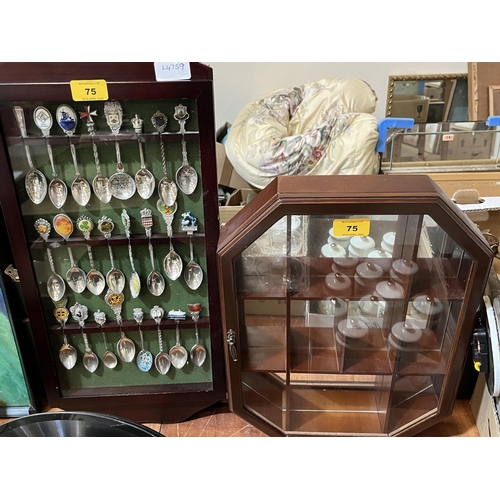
column 94, row 280
column 177, row 356
column 120, row 185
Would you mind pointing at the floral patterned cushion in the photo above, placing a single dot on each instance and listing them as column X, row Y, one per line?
column 319, row 128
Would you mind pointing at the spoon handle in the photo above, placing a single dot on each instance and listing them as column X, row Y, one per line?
column 73, row 155
column 160, row 338
column 96, row 156
column 91, row 258
column 118, row 154
column 111, row 256
column 21, row 123
column 51, row 158
column 191, row 248
column 85, row 340
column 51, row 260
column 163, row 157
column 141, row 154
column 151, row 255
column 70, row 254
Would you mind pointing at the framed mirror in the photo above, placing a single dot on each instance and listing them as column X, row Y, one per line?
column 428, row 98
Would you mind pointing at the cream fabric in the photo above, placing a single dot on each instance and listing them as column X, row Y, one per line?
column 320, row 128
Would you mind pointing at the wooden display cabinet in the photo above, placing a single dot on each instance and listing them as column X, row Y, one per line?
column 348, row 304
column 124, row 390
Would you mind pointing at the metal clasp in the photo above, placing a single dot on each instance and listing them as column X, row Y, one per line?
column 231, row 341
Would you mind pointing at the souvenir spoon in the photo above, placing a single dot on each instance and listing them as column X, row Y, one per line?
column 155, row 281
column 100, row 184
column 167, row 190
column 95, row 279
column 114, row 278
column 122, row 186
column 144, row 358
column 58, row 191
column 67, row 353
column 193, row 273
column 90, row 359
column 186, row 176
column 56, row 287
column 80, row 188
column 35, row 182
column 162, row 359
column 75, row 276
column 198, row 352
column 178, row 353
column 134, row 280
column 144, row 179
column 109, row 359
column 125, row 346
column 172, row 263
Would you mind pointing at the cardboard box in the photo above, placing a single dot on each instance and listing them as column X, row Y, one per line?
column 411, row 106
column 470, row 146
column 236, row 202
column 226, row 175
column 484, row 409
column 486, row 183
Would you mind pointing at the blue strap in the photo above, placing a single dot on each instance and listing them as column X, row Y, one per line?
column 387, row 123
column 493, row 121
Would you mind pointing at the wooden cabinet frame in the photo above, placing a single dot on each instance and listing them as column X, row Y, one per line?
column 33, row 84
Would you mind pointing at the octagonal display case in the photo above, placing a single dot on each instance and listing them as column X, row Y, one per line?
column 349, row 304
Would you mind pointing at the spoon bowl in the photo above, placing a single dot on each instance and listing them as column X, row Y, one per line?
column 90, row 361
column 162, row 362
column 145, row 182
column 101, row 188
column 58, row 192
column 126, row 348
column 193, row 274
column 95, row 282
column 187, row 179
column 178, row 354
column 198, row 354
column 173, row 264
column 110, row 360
column 68, row 356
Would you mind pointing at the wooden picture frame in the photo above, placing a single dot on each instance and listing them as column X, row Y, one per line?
column 494, row 100
column 481, row 76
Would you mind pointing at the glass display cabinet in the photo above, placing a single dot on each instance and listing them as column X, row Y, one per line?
column 349, row 304
column 109, row 193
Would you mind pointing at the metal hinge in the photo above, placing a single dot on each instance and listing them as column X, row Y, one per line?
column 12, row 272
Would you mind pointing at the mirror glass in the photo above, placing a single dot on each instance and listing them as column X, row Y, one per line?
column 428, row 98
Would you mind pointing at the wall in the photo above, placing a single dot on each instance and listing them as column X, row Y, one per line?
column 237, row 84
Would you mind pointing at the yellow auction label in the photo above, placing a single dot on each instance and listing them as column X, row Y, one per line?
column 351, row 227
column 89, row 90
